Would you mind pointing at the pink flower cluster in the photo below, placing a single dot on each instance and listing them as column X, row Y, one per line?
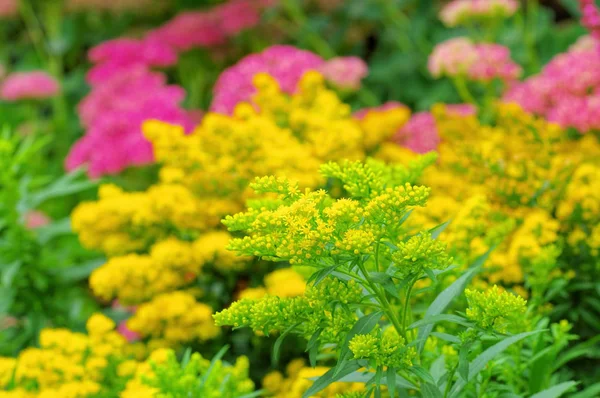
column 345, row 72
column 286, row 64
column 126, row 90
column 210, row 28
column 28, row 86
column 459, row 12
column 9, row 8
column 113, row 114
column 590, row 17
column 461, row 57
column 566, row 91
column 420, row 133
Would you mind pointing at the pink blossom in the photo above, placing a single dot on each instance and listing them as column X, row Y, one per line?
column 590, row 17
column 478, row 62
column 113, row 114
column 212, row 27
column 113, row 57
column 420, row 133
column 566, row 91
column 28, row 85
column 129, row 334
column 459, row 12
column 345, row 72
column 36, row 219
column 9, row 8
column 286, row 64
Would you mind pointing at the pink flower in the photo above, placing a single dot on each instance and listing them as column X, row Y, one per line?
column 129, row 334
column 460, row 57
column 117, row 56
column 113, row 114
column 420, row 133
column 566, row 91
column 459, row 12
column 345, row 72
column 286, row 64
column 36, row 219
column 28, row 85
column 453, row 57
column 212, row 27
column 9, row 8
column 590, row 17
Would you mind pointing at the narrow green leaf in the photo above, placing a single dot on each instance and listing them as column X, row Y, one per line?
column 443, row 300
column 482, row 359
column 186, row 357
column 592, row 391
column 556, row 391
column 422, row 374
column 322, row 382
column 364, row 377
column 446, row 337
column 459, row 320
column 391, row 381
column 429, row 390
column 215, row 359
column 463, row 363
column 254, row 394
column 278, row 342
column 438, row 229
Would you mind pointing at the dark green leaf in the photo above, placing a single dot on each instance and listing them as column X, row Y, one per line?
column 278, row 342
column 463, row 362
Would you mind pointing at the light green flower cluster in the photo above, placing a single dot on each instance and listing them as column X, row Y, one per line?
column 383, row 348
column 326, row 306
column 495, row 309
column 163, row 376
column 421, row 252
column 312, row 227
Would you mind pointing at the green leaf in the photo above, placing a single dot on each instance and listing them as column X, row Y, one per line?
column 391, row 381
column 322, row 382
column 9, row 271
column 463, row 362
column 278, row 342
column 443, row 300
column 429, row 390
column 482, row 359
column 446, row 337
column 313, row 347
column 364, row 377
column 422, row 374
column 432, row 320
column 254, row 394
column 186, row 357
column 363, row 326
column 213, row 362
column 7, row 298
column 556, row 391
column 57, row 228
column 78, row 272
column 592, row 391
column 66, row 185
column 438, row 229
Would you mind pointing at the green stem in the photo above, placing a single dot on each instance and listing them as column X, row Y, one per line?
column 532, row 12
column 449, row 381
column 383, row 301
column 406, row 305
column 34, row 29
column 463, row 91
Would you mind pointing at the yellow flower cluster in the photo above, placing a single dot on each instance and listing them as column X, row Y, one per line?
column 166, row 238
column 285, row 282
column 67, row 364
column 520, row 184
column 171, row 264
column 297, row 382
column 172, row 319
